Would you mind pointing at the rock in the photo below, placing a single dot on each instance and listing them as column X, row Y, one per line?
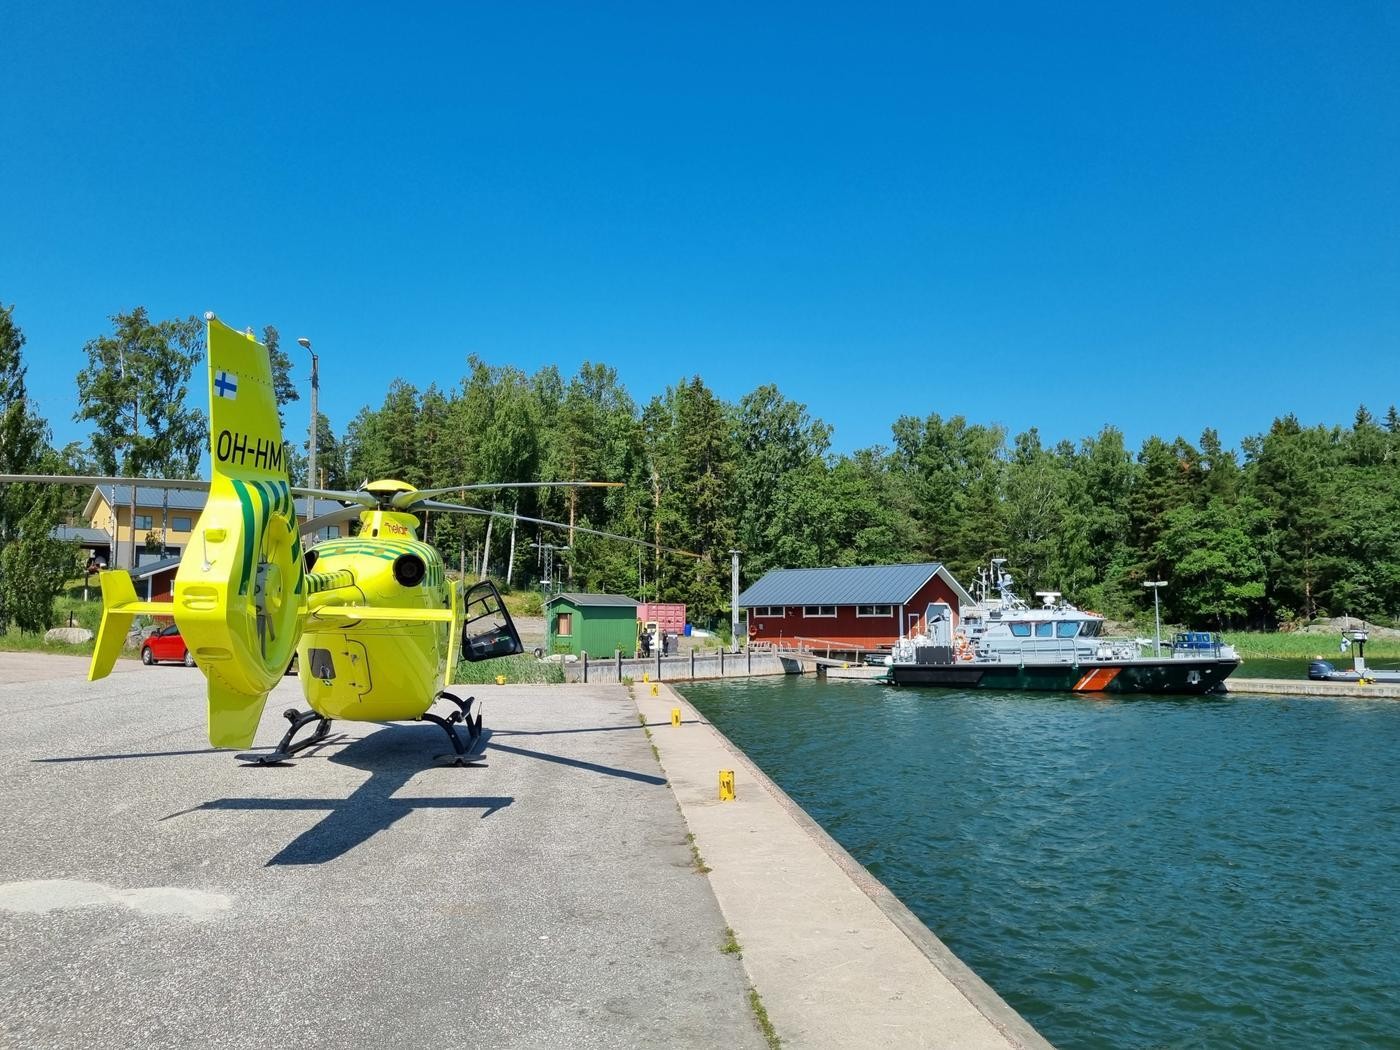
column 1337, row 624
column 71, row 635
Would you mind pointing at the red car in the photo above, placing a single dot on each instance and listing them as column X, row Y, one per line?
column 166, row 645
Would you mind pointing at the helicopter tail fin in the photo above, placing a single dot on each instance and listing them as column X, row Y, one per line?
column 119, row 608
column 240, row 593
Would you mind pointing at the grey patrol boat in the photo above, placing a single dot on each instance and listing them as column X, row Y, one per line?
column 1001, row 642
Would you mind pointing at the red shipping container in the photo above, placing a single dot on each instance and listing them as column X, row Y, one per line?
column 669, row 616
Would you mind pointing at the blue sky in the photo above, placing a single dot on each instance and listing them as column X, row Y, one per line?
column 1056, row 215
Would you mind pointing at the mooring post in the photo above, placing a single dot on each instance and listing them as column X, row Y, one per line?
column 692, row 665
column 658, row 661
column 618, row 653
column 721, row 662
column 748, row 658
column 585, row 666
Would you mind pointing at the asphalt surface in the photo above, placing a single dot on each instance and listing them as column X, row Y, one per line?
column 156, row 893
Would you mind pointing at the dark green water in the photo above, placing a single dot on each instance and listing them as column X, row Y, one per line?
column 1136, row 872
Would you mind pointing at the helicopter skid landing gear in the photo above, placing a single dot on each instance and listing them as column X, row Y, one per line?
column 285, row 749
column 463, row 754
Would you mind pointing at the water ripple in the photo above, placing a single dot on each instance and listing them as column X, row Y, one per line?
column 1144, row 872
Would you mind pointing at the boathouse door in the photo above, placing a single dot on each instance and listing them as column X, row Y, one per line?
column 938, row 623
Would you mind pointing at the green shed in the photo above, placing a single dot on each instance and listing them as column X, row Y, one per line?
column 596, row 624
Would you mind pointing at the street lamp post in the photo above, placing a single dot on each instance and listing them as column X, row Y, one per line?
column 130, row 468
column 734, row 601
column 1157, row 586
column 311, row 446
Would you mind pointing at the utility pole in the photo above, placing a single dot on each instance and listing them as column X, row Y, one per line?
column 311, row 445
column 130, row 465
column 734, row 601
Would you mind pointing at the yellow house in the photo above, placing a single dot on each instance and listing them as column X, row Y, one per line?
column 164, row 521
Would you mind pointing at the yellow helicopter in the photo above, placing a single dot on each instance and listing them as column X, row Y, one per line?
column 375, row 622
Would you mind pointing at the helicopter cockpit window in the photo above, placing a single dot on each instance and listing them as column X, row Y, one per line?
column 488, row 631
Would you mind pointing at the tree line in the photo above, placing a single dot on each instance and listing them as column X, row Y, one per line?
column 1300, row 521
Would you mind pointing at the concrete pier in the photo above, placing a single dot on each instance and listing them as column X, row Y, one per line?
column 1307, row 687
column 840, row 962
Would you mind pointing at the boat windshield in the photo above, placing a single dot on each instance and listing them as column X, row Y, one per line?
column 1091, row 628
column 1044, row 630
column 1021, row 630
column 1066, row 629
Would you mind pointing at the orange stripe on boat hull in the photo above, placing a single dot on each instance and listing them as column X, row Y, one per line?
column 1096, row 680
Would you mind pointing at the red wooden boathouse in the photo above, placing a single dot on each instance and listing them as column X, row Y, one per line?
column 857, row 606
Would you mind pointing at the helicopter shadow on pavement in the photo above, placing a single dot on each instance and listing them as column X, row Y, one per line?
column 391, row 759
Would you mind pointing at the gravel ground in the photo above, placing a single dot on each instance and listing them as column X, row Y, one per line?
column 155, row 893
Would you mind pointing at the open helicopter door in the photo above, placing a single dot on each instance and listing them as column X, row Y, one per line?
column 240, row 590
column 488, row 631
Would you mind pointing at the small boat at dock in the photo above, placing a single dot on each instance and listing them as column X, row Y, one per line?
column 1001, row 642
column 1355, row 639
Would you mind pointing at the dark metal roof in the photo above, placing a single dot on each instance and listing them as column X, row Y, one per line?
column 155, row 568
column 614, row 600
column 82, row 534
column 147, row 496
column 844, row 585
column 183, row 499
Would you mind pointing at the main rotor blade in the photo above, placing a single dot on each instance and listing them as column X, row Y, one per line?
column 455, row 508
column 88, row 479
column 364, row 499
column 407, row 500
column 335, row 517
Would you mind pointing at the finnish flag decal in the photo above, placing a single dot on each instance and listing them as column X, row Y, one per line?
column 226, row 385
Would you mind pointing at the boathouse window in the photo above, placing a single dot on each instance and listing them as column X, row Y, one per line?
column 1021, row 630
column 1044, row 630
column 875, row 610
column 566, row 625
column 767, row 610
column 1066, row 629
column 818, row 610
column 178, row 524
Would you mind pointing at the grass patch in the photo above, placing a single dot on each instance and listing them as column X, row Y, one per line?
column 1297, row 646
column 519, row 668
column 524, row 603
column 760, row 1014
column 731, row 944
column 647, row 730
column 13, row 641
column 699, row 861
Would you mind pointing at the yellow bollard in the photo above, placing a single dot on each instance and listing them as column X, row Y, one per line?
column 726, row 785
column 646, row 677
column 845, row 667
column 500, row 679
column 654, row 691
column 676, row 717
